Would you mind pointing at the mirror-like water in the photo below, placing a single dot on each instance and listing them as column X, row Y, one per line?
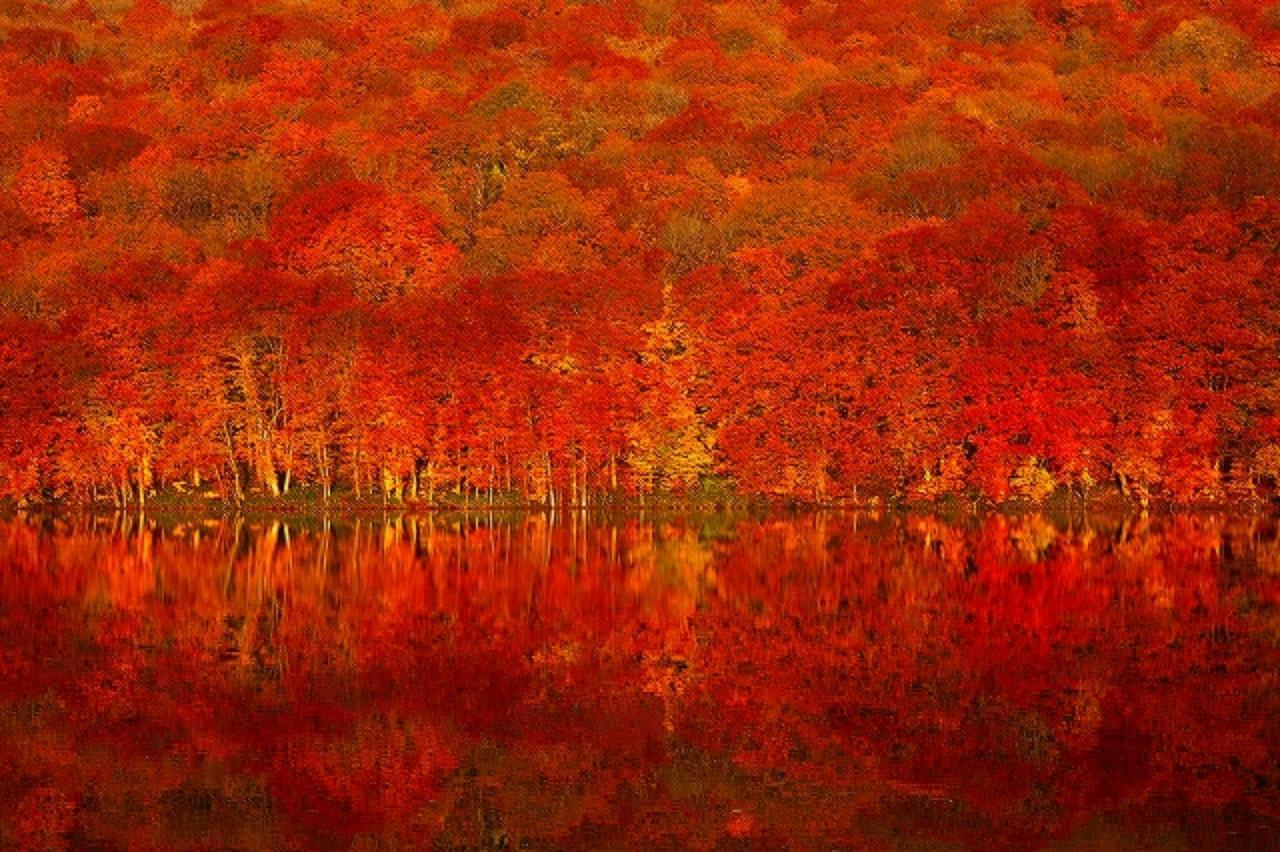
column 691, row 682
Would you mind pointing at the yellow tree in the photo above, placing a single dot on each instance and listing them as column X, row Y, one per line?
column 671, row 446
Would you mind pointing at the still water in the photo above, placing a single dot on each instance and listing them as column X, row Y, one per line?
column 813, row 681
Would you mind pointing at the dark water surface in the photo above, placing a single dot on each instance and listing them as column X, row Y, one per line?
column 822, row 681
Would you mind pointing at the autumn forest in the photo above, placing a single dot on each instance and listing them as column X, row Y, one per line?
column 567, row 252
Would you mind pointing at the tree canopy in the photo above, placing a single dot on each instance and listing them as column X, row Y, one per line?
column 559, row 249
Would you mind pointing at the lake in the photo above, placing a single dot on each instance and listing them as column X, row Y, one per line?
column 680, row 681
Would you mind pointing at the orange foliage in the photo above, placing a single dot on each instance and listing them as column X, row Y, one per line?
column 566, row 252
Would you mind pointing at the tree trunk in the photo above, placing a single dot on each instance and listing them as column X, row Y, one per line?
column 551, row 488
column 267, row 470
column 237, row 491
column 355, row 464
column 143, row 471
column 322, row 468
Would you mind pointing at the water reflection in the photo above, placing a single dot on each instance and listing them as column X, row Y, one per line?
column 845, row 680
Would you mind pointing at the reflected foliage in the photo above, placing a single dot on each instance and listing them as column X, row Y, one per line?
column 596, row 682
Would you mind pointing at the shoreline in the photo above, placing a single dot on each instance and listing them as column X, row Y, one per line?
column 950, row 505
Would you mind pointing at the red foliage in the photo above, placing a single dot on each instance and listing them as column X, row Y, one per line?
column 553, row 252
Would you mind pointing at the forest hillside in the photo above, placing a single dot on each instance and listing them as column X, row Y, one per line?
column 562, row 251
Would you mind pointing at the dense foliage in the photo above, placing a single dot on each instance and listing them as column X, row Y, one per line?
column 552, row 250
